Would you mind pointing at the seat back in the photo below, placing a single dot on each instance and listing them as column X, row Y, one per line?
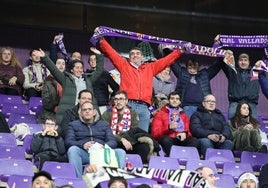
column 35, row 127
column 195, row 164
column 160, row 162
column 27, row 145
column 219, row 156
column 10, row 108
column 34, row 103
column 11, row 99
column 256, row 159
column 20, row 181
column 15, row 118
column 12, row 152
column 184, row 153
column 59, row 169
column 8, row 139
column 236, row 169
column 134, row 160
column 75, row 182
column 224, row 181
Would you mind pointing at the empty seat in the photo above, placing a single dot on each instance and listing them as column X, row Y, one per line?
column 219, row 156
column 195, row 164
column 12, row 152
column 224, row 181
column 8, row 139
column 34, row 103
column 8, row 109
column 184, row 153
column 75, row 182
column 160, row 162
column 256, row 159
column 21, row 181
column 35, row 127
column 27, row 146
column 59, row 169
column 15, row 118
column 236, row 169
column 134, row 160
column 12, row 99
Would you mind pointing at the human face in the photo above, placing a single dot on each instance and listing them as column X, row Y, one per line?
column 77, row 70
column 192, row 67
column 92, row 61
column 174, row 101
column 243, row 63
column 60, row 64
column 35, row 58
column 244, row 110
column 50, row 125
column 208, row 175
column 120, row 101
column 136, row 57
column 85, row 97
column 76, row 55
column 209, row 103
column 166, row 71
column 117, row 184
column 42, row 182
column 6, row 56
column 248, row 183
column 87, row 112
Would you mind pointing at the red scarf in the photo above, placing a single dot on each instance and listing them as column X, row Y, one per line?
column 124, row 124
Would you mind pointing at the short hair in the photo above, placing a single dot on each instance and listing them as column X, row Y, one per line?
column 191, row 60
column 173, row 93
column 84, row 91
column 51, row 117
column 121, row 92
column 136, row 48
column 119, row 179
column 243, row 55
column 85, row 103
column 73, row 62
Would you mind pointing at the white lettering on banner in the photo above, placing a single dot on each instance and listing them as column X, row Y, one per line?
column 251, row 41
column 227, row 40
column 195, row 180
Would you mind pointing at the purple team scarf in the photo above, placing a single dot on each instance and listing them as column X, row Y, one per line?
column 61, row 46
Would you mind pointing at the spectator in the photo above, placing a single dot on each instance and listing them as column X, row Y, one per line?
column 245, row 130
column 11, row 76
column 48, row 145
column 209, row 126
column 51, row 93
column 262, row 78
column 208, row 175
column 35, row 75
column 42, row 179
column 102, row 85
column 192, row 83
column 125, row 126
column 171, row 126
column 247, row 180
column 136, row 78
column 117, row 182
column 72, row 82
column 263, row 181
column 84, row 133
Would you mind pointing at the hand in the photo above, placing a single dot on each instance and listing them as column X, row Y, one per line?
column 13, row 80
column 214, row 137
column 95, row 50
column 127, row 144
column 173, row 125
column 222, row 139
column 87, row 145
column 38, row 87
column 57, row 37
column 217, row 39
column 39, row 53
column 186, row 47
column 93, row 168
column 248, row 126
column 182, row 136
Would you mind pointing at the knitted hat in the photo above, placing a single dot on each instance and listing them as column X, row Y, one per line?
column 245, row 176
column 147, row 51
column 42, row 173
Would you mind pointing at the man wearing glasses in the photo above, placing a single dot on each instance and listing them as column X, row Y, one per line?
column 209, row 126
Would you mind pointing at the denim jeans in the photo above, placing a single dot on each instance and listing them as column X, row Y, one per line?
column 233, row 106
column 205, row 143
column 144, row 114
column 189, row 110
column 79, row 157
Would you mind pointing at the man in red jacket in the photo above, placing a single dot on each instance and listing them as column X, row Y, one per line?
column 170, row 126
column 137, row 77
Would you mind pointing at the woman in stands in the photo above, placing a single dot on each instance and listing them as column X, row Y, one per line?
column 245, row 130
column 11, row 76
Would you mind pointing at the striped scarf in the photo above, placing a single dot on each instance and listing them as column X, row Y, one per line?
column 43, row 70
column 122, row 126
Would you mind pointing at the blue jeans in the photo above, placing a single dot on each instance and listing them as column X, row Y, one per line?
column 79, row 157
column 144, row 114
column 189, row 110
column 205, row 143
column 233, row 106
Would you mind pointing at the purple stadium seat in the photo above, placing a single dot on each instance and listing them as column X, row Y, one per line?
column 21, row 118
column 160, row 162
column 20, row 180
column 10, row 108
column 14, row 166
column 27, row 145
column 12, row 152
column 59, row 169
column 264, row 123
column 194, row 164
column 12, row 99
column 34, row 102
column 183, row 153
column 256, row 159
column 236, row 169
column 35, row 127
column 8, row 139
column 224, row 181
column 134, row 160
column 75, row 182
column 219, row 156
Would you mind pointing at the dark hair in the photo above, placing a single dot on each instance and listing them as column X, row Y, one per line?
column 136, row 48
column 41, row 173
column 173, row 93
column 191, row 60
column 73, row 62
column 121, row 92
column 50, row 117
column 84, row 91
column 120, row 179
column 143, row 186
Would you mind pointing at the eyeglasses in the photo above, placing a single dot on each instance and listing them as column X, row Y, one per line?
column 210, row 101
column 86, row 109
column 50, row 124
column 119, row 99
